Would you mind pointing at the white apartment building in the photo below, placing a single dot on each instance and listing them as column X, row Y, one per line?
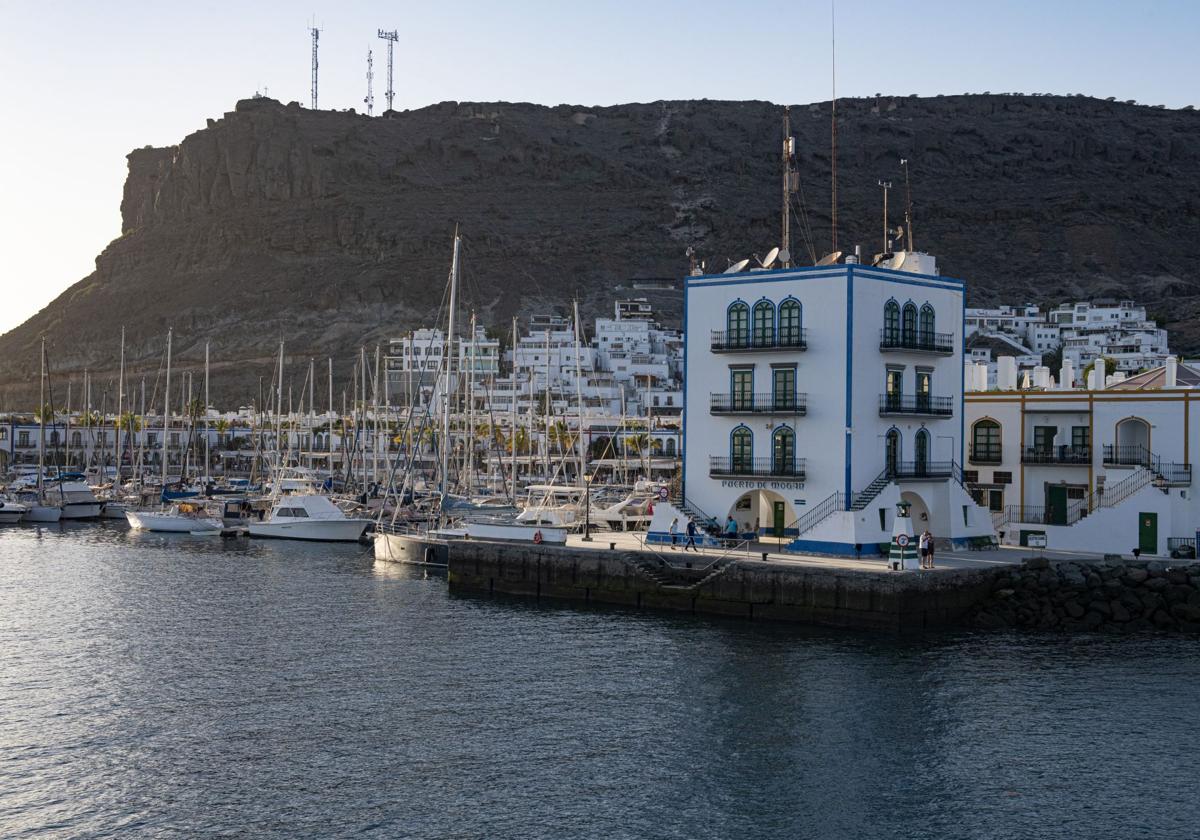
column 1102, row 470
column 816, row 399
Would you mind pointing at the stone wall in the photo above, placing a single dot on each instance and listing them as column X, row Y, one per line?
column 870, row 598
column 1114, row 596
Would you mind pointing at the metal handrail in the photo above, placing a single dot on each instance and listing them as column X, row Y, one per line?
column 757, row 467
column 783, row 339
column 1066, row 454
column 923, row 340
column 766, row 403
column 916, row 404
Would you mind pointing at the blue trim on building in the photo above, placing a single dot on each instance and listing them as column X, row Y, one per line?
column 962, row 387
column 687, row 349
column 869, row 550
column 849, row 376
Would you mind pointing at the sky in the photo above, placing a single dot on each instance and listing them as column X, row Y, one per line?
column 82, row 84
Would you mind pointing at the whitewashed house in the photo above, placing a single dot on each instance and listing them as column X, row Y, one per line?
column 817, row 398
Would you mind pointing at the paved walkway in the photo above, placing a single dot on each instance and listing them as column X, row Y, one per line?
column 958, row 559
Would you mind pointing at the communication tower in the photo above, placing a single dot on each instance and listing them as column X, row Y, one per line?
column 316, row 34
column 370, row 100
column 391, row 38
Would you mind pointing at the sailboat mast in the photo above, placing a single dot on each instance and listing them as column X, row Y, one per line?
column 329, row 436
column 120, row 408
column 447, row 355
column 42, row 426
column 579, row 397
column 166, row 412
column 207, row 456
column 514, row 411
column 279, row 411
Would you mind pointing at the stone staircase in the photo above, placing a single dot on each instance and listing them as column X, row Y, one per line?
column 861, row 500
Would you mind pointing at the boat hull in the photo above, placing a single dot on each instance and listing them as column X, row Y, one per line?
column 517, row 533
column 11, row 516
column 43, row 513
column 171, row 523
column 313, row 530
column 81, row 510
column 411, row 548
column 113, row 510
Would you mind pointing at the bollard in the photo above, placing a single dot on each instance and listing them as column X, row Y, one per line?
column 612, row 546
column 764, row 554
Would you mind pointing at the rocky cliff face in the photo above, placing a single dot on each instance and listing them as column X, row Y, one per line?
column 332, row 230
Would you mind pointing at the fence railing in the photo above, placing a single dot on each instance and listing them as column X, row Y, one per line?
column 1081, row 455
column 768, row 403
column 724, row 466
column 921, row 469
column 784, row 339
column 986, row 455
column 916, row 404
column 922, row 341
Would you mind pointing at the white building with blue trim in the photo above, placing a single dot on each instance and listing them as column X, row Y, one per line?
column 818, row 398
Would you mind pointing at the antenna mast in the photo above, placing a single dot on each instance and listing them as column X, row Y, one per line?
column 370, row 100
column 391, row 38
column 833, row 200
column 887, row 185
column 316, row 34
column 907, row 203
column 789, row 151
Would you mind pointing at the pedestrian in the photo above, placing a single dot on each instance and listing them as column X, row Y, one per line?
column 674, row 532
column 929, row 534
column 731, row 530
column 691, row 537
column 923, row 544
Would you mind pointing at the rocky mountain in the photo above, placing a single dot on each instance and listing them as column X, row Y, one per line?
column 332, row 230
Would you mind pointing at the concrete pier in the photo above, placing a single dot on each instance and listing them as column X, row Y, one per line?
column 868, row 598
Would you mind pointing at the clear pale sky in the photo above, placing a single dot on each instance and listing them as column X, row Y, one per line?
column 82, row 84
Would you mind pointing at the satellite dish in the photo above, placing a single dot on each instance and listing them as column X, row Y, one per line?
column 830, row 259
column 785, row 256
column 899, row 260
column 770, row 258
column 737, row 267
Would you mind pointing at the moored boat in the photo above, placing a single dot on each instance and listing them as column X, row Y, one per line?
column 308, row 516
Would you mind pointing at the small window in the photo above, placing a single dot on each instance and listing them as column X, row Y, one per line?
column 1001, row 477
column 970, row 476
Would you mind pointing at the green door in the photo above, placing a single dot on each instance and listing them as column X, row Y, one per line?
column 780, row 522
column 1056, row 504
column 1148, row 533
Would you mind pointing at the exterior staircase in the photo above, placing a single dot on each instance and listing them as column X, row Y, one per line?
column 861, row 500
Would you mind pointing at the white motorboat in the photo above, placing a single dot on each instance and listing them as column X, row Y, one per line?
column 423, row 548
column 74, row 497
column 38, row 511
column 308, row 516
column 543, row 529
column 11, row 512
column 181, row 518
column 113, row 509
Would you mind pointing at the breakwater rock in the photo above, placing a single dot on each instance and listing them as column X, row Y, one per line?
column 1114, row 595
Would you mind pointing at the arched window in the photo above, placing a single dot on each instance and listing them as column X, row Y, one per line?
column 927, row 324
column 741, row 450
column 908, row 329
column 783, row 452
column 764, row 324
column 891, row 451
column 985, row 442
column 1133, row 442
column 921, row 452
column 891, row 322
column 671, row 447
column 791, row 332
column 737, row 324
column 76, row 439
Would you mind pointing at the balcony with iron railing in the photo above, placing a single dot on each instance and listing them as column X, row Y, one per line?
column 793, row 404
column 922, row 469
column 721, row 466
column 920, row 341
column 1128, row 455
column 736, row 341
column 919, row 404
column 985, row 454
column 1060, row 455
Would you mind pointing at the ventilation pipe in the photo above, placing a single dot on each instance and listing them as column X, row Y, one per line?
column 1171, row 375
column 1096, row 380
column 1066, row 378
column 1006, row 373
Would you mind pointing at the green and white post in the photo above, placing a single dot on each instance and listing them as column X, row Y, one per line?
column 903, row 554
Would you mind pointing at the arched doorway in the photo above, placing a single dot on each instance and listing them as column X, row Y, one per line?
column 921, row 452
column 891, row 451
column 918, row 511
column 763, row 512
column 1133, row 441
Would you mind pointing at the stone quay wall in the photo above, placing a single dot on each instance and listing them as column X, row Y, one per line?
column 747, row 588
column 1113, row 596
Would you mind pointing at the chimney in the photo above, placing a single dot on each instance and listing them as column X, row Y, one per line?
column 1066, row 377
column 1006, row 373
column 1171, row 376
column 1098, row 371
column 1041, row 377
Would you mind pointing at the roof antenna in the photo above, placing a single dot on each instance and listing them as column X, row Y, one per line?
column 907, row 204
column 789, row 187
column 833, row 201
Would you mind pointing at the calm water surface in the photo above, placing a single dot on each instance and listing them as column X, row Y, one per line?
column 173, row 686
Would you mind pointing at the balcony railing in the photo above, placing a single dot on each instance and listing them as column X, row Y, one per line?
column 722, row 466
column 1128, row 455
column 917, row 342
column 986, row 455
column 1080, row 455
column 915, row 404
column 921, row 469
column 724, row 341
column 758, row 404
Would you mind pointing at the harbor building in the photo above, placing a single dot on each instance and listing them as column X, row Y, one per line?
column 1105, row 469
column 816, row 399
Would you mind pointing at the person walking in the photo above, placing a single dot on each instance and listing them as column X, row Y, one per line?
column 923, row 545
column 929, row 534
column 691, row 537
column 731, row 532
column 674, row 532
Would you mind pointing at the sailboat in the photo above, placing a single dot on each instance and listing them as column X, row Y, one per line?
column 39, row 510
